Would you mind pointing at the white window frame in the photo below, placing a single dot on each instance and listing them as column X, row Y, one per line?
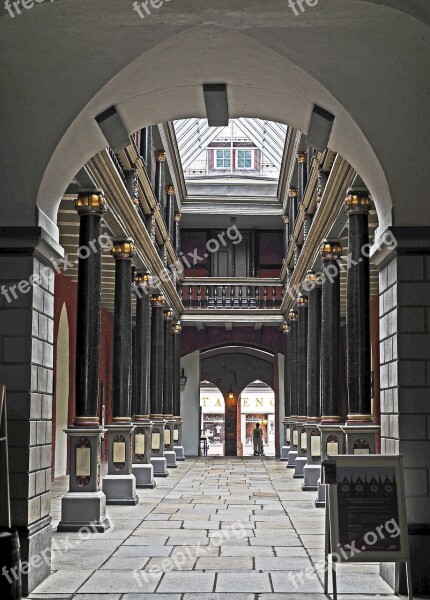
column 224, row 150
column 252, row 151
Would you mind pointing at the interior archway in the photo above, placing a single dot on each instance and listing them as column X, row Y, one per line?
column 257, row 405
column 212, row 406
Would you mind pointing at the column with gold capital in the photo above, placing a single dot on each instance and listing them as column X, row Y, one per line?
column 119, row 485
column 313, row 412
column 170, row 210
column 330, row 426
column 84, row 504
column 177, row 431
column 169, row 453
column 294, row 408
column 160, row 179
column 302, row 376
column 287, row 446
column 158, row 459
column 360, row 429
column 142, row 467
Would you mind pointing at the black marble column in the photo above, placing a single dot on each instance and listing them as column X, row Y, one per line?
column 160, row 178
column 302, row 175
column 168, row 365
column 177, row 233
column 286, row 220
column 287, row 358
column 294, row 405
column 157, row 356
column 146, row 149
column 313, row 411
column 177, row 329
column 123, row 252
column 170, row 210
column 330, row 334
column 358, row 354
column 142, row 346
column 90, row 205
column 302, row 358
column 292, row 195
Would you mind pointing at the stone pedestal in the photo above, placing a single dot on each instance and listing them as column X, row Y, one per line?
column 142, row 468
column 302, row 457
column 320, row 499
column 169, row 453
column 311, row 475
column 284, row 453
column 313, row 467
column 293, row 453
column 119, row 484
column 84, row 505
column 360, row 439
column 299, row 466
column 286, row 449
column 158, row 461
column 177, row 440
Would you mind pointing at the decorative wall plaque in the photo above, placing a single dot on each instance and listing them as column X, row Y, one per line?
column 361, row 446
column 315, row 445
column 303, row 441
column 167, row 437
column 83, row 462
column 139, row 444
column 332, row 448
column 295, row 437
column 119, row 452
column 155, row 441
column 176, row 435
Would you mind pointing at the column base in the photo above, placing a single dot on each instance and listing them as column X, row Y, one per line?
column 83, row 509
column 292, row 455
column 284, row 452
column 299, row 466
column 320, row 499
column 120, row 490
column 312, row 474
column 160, row 466
column 144, row 476
column 170, row 456
column 180, row 452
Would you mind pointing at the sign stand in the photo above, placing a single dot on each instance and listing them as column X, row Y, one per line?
column 365, row 514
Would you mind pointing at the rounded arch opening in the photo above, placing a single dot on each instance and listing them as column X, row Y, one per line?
column 257, row 405
column 286, row 92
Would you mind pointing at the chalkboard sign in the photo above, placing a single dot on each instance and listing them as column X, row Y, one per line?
column 366, row 511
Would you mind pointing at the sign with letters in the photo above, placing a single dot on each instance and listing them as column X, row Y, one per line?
column 366, row 512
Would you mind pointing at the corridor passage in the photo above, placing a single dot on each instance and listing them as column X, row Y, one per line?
column 217, row 528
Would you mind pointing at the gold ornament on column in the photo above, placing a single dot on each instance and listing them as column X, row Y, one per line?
column 160, row 156
column 91, row 201
column 123, row 249
column 170, row 190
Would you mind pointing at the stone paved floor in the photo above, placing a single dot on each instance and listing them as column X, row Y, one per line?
column 216, row 529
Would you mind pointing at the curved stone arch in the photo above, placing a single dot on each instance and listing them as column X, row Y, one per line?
column 62, row 362
column 275, row 97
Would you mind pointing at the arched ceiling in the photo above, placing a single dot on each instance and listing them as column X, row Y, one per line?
column 64, row 62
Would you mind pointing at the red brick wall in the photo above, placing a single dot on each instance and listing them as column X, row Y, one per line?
column 66, row 293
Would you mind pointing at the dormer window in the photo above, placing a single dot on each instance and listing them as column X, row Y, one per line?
column 245, row 159
column 223, row 159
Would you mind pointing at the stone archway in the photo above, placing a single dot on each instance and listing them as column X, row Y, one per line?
column 61, row 394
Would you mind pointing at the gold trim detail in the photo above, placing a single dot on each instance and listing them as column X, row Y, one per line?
column 358, row 417
column 293, row 315
column 302, row 157
column 170, row 190
column 123, row 249
column 168, row 314
column 331, row 250
column 157, row 300
column 286, row 328
column 178, row 217
column 292, row 193
column 91, row 201
column 302, row 300
column 160, row 156
column 286, row 219
column 177, row 328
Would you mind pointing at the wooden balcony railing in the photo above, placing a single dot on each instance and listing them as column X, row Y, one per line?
column 240, row 294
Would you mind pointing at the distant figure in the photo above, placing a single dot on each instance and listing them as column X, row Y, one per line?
column 257, row 438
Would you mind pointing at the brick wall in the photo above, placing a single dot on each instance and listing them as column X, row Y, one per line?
column 405, row 374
